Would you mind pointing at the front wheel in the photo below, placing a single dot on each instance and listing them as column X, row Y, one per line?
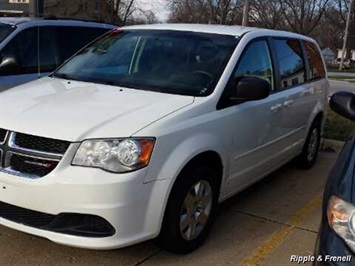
column 308, row 157
column 190, row 210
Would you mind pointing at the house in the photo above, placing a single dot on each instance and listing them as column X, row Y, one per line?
column 352, row 54
column 74, row 8
column 13, row 8
column 328, row 55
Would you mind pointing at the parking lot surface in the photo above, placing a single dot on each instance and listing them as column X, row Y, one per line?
column 264, row 225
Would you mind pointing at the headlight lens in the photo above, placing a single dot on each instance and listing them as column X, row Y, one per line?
column 341, row 217
column 116, row 155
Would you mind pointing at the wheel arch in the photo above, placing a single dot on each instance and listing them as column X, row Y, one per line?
column 318, row 113
column 209, row 157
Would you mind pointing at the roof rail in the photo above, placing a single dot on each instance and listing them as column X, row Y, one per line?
column 74, row 19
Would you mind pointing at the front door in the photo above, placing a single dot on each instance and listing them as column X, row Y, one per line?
column 257, row 128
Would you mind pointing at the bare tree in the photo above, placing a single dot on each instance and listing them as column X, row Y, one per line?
column 119, row 11
column 144, row 17
column 188, row 11
column 303, row 16
column 330, row 33
column 113, row 11
column 206, row 11
column 267, row 14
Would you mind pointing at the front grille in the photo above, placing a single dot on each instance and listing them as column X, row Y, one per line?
column 41, row 144
column 31, row 166
column 85, row 225
column 29, row 156
column 2, row 135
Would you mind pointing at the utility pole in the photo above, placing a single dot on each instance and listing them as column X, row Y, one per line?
column 346, row 35
column 36, row 8
column 246, row 12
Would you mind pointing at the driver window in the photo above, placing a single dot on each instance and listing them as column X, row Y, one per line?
column 256, row 62
column 23, row 50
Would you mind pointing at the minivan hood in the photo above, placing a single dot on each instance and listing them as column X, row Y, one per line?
column 73, row 111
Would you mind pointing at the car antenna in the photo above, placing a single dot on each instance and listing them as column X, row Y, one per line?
column 38, row 57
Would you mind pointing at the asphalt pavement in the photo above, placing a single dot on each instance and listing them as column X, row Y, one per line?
column 264, row 225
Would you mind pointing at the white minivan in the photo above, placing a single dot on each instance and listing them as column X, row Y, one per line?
column 142, row 133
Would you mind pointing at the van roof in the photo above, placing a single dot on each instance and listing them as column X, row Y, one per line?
column 215, row 29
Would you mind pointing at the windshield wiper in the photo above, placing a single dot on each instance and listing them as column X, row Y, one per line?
column 63, row 76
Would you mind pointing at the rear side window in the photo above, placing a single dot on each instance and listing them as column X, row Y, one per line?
column 290, row 58
column 72, row 39
column 316, row 66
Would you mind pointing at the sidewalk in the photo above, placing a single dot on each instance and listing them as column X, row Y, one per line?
column 350, row 75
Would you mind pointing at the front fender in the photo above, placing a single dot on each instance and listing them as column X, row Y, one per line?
column 172, row 154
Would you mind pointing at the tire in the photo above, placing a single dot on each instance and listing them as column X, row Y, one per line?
column 188, row 217
column 308, row 157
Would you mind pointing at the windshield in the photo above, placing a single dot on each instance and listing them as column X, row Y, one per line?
column 5, row 31
column 175, row 62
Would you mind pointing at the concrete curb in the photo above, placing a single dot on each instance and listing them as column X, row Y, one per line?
column 335, row 145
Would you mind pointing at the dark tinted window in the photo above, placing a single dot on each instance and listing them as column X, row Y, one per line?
column 290, row 59
column 256, row 61
column 49, row 57
column 56, row 44
column 5, row 30
column 22, row 51
column 72, row 39
column 315, row 61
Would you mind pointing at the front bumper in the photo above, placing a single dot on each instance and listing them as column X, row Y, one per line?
column 134, row 209
column 329, row 243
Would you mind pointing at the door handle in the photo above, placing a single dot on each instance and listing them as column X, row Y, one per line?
column 276, row 107
column 288, row 103
column 308, row 91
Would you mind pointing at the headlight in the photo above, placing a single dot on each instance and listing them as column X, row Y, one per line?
column 116, row 155
column 341, row 217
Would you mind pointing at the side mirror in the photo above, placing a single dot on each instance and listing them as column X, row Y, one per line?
column 251, row 89
column 8, row 63
column 343, row 103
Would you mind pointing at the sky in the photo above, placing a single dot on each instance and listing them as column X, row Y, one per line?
column 157, row 6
